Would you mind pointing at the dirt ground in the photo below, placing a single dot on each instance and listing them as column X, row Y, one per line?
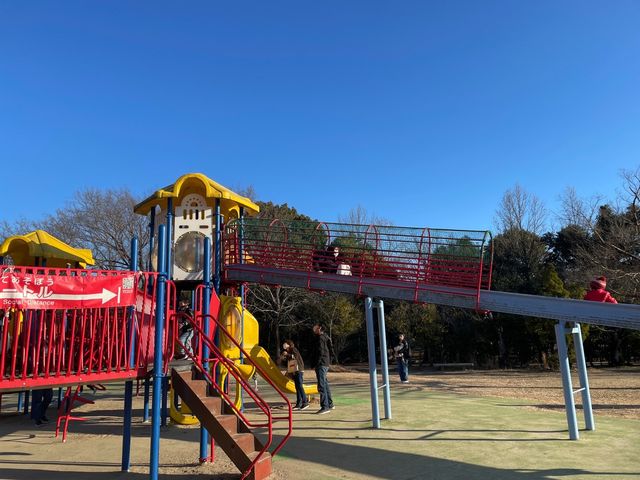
column 450, row 421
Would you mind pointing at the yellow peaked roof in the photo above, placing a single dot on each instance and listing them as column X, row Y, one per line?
column 24, row 249
column 203, row 185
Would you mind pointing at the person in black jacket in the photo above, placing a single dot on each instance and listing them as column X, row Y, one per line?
column 296, row 371
column 403, row 355
column 322, row 361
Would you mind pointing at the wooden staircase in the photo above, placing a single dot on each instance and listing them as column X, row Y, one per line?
column 229, row 431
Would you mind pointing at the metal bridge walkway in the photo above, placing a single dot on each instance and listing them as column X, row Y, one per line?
column 562, row 309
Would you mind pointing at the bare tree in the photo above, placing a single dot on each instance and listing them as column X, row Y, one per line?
column 360, row 216
column 276, row 306
column 521, row 210
column 579, row 211
column 103, row 221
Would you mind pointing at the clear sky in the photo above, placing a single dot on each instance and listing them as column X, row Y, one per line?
column 423, row 112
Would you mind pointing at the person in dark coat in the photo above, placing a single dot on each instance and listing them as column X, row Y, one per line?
column 403, row 355
column 321, row 363
column 290, row 352
column 326, row 261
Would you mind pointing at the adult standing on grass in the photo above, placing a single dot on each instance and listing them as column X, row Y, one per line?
column 322, row 361
column 403, row 355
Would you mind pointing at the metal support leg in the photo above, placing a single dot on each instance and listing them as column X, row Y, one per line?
column 126, row 434
column 584, row 379
column 373, row 374
column 567, row 386
column 384, row 364
column 145, row 414
column 165, row 396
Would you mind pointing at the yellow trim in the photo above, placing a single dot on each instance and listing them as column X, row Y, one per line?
column 203, row 185
column 24, row 249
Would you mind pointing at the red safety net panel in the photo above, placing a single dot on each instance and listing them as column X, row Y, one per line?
column 413, row 256
column 66, row 326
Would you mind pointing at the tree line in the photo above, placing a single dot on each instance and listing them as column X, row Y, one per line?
column 592, row 237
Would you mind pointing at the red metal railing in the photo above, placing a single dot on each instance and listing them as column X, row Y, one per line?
column 423, row 258
column 64, row 341
column 215, row 359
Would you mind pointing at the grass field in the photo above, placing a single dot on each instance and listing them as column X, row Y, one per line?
column 454, row 425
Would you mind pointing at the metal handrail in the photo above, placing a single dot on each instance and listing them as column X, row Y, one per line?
column 219, row 358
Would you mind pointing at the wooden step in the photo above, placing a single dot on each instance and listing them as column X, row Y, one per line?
column 229, row 431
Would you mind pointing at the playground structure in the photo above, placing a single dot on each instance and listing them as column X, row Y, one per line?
column 208, row 244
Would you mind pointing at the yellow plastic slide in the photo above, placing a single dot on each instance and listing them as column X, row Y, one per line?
column 284, row 383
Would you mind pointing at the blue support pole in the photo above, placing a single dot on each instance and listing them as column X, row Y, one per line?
column 20, row 400
column 59, row 396
column 567, row 386
column 206, row 278
column 384, row 364
column 128, row 386
column 373, row 374
column 157, row 357
column 168, row 268
column 581, row 364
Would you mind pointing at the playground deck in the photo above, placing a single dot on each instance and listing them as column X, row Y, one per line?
column 447, row 425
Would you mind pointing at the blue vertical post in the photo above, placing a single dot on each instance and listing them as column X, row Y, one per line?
column 384, row 364
column 581, row 364
column 206, row 278
column 128, row 386
column 27, row 394
column 59, row 396
column 373, row 374
column 567, row 386
column 157, row 357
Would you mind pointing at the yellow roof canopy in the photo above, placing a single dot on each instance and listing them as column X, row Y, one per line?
column 25, row 249
column 230, row 202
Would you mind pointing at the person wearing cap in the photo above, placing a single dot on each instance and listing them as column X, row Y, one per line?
column 598, row 292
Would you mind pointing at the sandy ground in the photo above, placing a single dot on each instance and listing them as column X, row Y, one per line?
column 450, row 421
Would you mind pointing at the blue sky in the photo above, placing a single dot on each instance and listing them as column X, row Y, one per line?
column 423, row 112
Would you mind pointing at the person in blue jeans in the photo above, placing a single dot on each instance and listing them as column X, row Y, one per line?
column 403, row 355
column 322, row 361
column 295, row 369
column 40, row 401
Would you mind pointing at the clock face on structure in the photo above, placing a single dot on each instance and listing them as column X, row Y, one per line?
column 189, row 252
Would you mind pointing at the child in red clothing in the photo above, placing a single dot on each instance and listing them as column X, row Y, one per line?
column 598, row 292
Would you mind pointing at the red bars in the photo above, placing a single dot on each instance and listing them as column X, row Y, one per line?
column 61, row 346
